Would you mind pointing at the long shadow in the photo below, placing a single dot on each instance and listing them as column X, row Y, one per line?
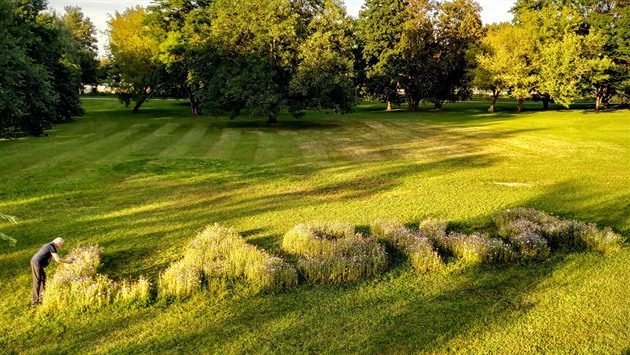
column 409, row 313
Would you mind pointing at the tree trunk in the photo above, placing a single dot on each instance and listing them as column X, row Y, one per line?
column 389, row 106
column 545, row 102
column 519, row 106
column 438, row 104
column 606, row 97
column 495, row 96
column 413, row 104
column 195, row 107
column 272, row 119
column 598, row 101
column 139, row 103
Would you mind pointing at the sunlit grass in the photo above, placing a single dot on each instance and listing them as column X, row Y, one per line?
column 142, row 185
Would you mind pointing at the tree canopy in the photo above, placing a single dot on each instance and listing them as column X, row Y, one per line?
column 262, row 57
column 38, row 85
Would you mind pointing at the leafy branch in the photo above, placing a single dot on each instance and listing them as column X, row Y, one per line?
column 12, row 219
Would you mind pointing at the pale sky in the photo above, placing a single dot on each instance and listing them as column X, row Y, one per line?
column 98, row 11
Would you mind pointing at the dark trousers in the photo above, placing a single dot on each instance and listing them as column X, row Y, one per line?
column 39, row 283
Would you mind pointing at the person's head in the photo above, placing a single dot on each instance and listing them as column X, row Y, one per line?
column 58, row 242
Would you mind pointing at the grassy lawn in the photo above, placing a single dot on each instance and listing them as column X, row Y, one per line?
column 142, row 185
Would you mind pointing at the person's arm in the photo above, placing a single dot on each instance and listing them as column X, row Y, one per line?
column 58, row 259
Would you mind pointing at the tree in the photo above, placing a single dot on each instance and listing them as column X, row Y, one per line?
column 83, row 49
column 133, row 55
column 611, row 20
column 504, row 62
column 458, row 30
column 569, row 58
column 180, row 25
column 277, row 54
column 418, row 48
column 381, row 24
column 37, row 88
column 323, row 76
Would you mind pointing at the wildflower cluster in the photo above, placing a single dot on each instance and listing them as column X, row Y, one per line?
column 78, row 286
column 218, row 254
column 414, row 245
column 332, row 252
column 522, row 224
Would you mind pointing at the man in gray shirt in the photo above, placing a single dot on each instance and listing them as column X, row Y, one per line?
column 39, row 261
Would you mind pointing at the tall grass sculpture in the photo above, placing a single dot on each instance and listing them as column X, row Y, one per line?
column 79, row 287
column 526, row 224
column 333, row 252
column 417, row 247
column 217, row 255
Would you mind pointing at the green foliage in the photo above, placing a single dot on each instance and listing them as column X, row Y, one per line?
column 12, row 241
column 37, row 89
column 504, row 62
column 458, row 31
column 381, row 24
column 421, row 48
column 269, row 55
column 133, row 56
column 180, row 27
column 82, row 50
column 323, row 77
column 569, row 56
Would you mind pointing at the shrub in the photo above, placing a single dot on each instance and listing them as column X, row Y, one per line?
column 180, row 280
column 218, row 254
column 559, row 233
column 591, row 238
column 349, row 259
column 478, row 248
column 415, row 246
column 433, row 229
column 272, row 272
column 388, row 232
column 332, row 252
column 134, row 293
column 78, row 286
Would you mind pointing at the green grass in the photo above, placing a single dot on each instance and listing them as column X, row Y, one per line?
column 141, row 186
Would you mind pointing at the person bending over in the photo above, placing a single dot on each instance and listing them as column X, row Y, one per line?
column 39, row 262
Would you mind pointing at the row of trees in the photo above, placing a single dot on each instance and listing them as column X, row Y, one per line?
column 559, row 50
column 232, row 55
column 44, row 59
column 270, row 55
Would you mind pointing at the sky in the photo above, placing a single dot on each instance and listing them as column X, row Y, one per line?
column 98, row 11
